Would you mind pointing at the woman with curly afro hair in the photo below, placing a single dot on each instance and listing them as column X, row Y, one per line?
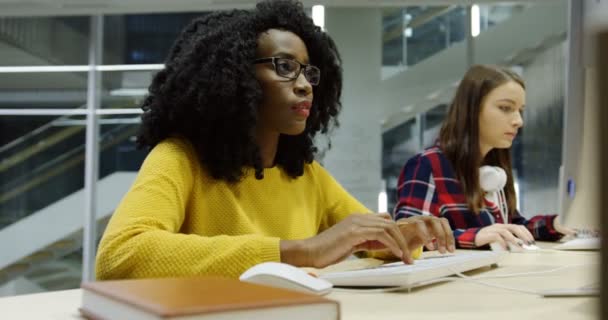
column 231, row 180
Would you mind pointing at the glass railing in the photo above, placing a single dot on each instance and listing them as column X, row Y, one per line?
column 415, row 33
column 47, row 164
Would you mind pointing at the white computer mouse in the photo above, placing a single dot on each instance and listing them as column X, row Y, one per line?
column 514, row 247
column 285, row 276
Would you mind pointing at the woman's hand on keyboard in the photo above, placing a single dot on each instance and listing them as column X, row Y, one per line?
column 563, row 229
column 503, row 233
column 423, row 230
column 357, row 232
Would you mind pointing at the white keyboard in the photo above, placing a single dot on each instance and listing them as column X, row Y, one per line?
column 586, row 291
column 580, row 244
column 423, row 270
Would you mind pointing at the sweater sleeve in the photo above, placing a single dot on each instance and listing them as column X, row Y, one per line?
column 416, row 190
column 338, row 204
column 144, row 240
column 417, row 195
column 540, row 226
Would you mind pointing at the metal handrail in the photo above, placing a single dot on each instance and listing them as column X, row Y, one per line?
column 53, row 139
column 34, row 132
column 69, row 159
column 424, row 18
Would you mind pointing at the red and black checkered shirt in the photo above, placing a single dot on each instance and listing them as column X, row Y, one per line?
column 428, row 186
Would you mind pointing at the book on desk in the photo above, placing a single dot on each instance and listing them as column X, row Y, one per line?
column 199, row 298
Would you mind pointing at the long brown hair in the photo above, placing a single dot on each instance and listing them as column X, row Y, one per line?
column 459, row 135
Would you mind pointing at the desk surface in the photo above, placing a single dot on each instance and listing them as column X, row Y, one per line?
column 448, row 300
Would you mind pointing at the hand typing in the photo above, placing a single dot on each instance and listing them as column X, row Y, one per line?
column 357, row 232
column 563, row 229
column 423, row 230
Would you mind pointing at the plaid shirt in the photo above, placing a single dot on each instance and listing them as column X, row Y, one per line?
column 428, row 185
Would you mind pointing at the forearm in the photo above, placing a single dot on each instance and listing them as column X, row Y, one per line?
column 152, row 253
column 541, row 227
column 465, row 238
column 295, row 252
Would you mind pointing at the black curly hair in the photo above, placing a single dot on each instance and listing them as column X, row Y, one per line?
column 208, row 92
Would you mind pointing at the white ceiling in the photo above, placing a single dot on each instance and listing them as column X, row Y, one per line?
column 87, row 7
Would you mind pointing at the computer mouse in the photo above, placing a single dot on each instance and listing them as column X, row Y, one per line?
column 514, row 247
column 285, row 276
column 523, row 247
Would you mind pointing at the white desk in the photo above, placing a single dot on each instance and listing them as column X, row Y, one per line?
column 467, row 301
column 448, row 300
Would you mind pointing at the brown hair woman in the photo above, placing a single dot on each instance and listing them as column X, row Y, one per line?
column 473, row 150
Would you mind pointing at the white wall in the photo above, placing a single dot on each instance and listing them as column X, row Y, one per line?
column 354, row 159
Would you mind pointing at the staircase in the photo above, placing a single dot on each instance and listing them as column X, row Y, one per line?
column 41, row 227
column 40, row 239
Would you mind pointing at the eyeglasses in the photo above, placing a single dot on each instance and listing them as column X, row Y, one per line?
column 290, row 69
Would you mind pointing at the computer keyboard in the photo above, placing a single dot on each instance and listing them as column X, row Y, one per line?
column 585, row 291
column 583, row 243
column 407, row 276
column 587, row 233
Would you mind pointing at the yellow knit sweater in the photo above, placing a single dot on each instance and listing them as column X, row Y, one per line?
column 178, row 221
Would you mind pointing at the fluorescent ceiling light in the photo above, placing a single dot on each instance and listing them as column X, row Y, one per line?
column 475, row 21
column 408, row 32
column 318, row 16
column 383, row 198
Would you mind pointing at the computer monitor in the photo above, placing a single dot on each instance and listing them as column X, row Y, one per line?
column 579, row 184
column 602, row 89
column 579, row 189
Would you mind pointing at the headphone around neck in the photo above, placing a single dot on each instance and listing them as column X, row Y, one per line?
column 492, row 179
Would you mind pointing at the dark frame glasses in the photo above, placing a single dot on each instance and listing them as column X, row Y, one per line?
column 291, row 69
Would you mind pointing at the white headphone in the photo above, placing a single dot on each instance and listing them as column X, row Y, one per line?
column 492, row 180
